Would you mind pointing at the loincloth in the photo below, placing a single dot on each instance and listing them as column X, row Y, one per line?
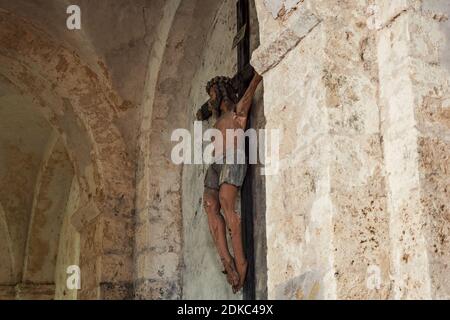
column 219, row 173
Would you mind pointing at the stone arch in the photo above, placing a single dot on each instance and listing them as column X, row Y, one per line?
column 159, row 222
column 81, row 105
column 55, row 76
column 50, row 199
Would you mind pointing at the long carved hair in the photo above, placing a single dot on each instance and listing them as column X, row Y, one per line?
column 225, row 88
column 225, row 92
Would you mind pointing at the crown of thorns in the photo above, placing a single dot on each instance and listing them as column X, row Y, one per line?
column 225, row 87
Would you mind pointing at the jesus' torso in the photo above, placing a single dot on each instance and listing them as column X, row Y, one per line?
column 233, row 121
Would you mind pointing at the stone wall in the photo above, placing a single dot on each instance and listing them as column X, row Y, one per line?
column 156, row 258
column 359, row 90
column 414, row 91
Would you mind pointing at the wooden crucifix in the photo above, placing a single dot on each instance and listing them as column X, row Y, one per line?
column 230, row 102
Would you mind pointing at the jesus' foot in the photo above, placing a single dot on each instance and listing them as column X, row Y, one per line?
column 242, row 271
column 230, row 271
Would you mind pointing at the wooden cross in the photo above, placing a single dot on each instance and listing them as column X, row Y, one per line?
column 243, row 65
column 241, row 81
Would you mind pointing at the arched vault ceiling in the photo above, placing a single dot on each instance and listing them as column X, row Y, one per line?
column 24, row 133
column 116, row 39
column 76, row 100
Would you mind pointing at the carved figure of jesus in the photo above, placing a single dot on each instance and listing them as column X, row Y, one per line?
column 224, row 179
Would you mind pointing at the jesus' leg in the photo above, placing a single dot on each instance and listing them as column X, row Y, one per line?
column 227, row 197
column 218, row 232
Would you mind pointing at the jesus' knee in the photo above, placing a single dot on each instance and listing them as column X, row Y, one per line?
column 226, row 203
column 210, row 203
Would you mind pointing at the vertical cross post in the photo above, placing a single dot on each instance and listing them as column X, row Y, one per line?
column 243, row 59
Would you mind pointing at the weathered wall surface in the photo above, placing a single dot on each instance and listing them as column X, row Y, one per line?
column 359, row 233
column 414, row 89
column 156, row 258
column 291, row 194
column 359, row 90
column 433, row 116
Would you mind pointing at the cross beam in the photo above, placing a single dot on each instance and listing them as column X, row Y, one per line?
column 243, row 60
